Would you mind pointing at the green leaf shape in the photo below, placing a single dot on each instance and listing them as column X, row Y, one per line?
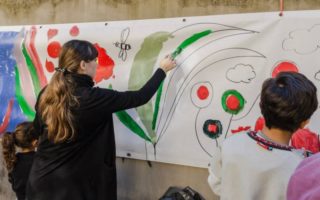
column 127, row 120
column 156, row 106
column 178, row 51
column 132, row 125
column 142, row 70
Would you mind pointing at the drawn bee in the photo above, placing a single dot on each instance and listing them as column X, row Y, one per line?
column 122, row 45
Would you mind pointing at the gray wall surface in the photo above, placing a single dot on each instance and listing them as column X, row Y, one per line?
column 136, row 180
column 15, row 12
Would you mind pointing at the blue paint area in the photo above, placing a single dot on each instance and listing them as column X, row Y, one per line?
column 7, row 77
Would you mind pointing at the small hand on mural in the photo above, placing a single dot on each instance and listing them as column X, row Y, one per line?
column 168, row 63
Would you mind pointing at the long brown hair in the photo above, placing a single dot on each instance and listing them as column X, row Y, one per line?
column 58, row 98
column 22, row 137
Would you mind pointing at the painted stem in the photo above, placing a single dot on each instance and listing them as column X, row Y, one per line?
column 156, row 107
column 225, row 136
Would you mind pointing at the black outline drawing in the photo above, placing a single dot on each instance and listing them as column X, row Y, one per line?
column 315, row 75
column 211, row 41
column 210, row 90
column 229, row 124
column 294, row 48
column 241, row 81
column 197, row 134
column 200, row 108
column 122, row 45
column 185, row 83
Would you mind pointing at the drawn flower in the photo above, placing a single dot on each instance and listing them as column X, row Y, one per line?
column 201, row 94
column 232, row 101
column 212, row 128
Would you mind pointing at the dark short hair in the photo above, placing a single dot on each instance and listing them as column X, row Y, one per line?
column 288, row 100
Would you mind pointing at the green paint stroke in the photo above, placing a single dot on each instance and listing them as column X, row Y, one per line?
column 240, row 98
column 189, row 41
column 32, row 70
column 127, row 120
column 178, row 51
column 156, row 107
column 26, row 109
column 142, row 70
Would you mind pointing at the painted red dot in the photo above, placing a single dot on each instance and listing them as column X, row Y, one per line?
column 212, row 128
column 54, row 49
column 203, row 92
column 285, row 66
column 233, row 102
column 74, row 31
column 49, row 66
column 51, row 33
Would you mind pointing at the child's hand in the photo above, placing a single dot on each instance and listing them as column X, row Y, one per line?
column 167, row 63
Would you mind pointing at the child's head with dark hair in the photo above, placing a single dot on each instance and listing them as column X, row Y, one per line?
column 287, row 101
column 23, row 137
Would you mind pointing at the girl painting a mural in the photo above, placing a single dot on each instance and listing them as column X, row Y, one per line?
column 76, row 153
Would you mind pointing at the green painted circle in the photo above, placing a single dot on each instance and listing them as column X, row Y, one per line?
column 235, row 93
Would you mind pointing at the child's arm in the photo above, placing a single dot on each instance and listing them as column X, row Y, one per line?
column 214, row 178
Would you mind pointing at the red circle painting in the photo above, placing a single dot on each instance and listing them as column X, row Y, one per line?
column 203, row 92
column 74, row 31
column 54, row 49
column 284, row 66
column 232, row 101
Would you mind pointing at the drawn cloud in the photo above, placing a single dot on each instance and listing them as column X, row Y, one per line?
column 317, row 76
column 303, row 41
column 241, row 73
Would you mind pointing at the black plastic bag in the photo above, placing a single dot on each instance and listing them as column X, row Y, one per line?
column 176, row 193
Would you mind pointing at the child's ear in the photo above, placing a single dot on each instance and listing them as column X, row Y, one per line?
column 304, row 123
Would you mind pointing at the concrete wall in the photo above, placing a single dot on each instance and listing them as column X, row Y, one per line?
column 136, row 180
column 65, row 11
